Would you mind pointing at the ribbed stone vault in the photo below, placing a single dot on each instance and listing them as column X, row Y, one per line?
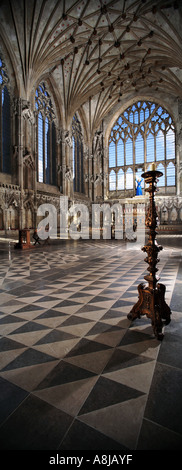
column 94, row 50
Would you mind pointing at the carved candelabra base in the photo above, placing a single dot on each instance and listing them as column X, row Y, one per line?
column 151, row 298
column 152, row 303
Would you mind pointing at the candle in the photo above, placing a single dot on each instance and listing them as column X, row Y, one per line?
column 152, row 167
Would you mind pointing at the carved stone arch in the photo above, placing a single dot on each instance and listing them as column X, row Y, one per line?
column 81, row 116
column 12, row 207
column 174, row 214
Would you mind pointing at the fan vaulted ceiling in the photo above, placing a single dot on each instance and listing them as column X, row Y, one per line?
column 94, row 49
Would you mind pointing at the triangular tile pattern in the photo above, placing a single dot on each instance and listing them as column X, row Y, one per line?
column 68, row 350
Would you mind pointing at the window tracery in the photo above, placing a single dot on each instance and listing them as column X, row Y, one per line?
column 46, row 136
column 144, row 133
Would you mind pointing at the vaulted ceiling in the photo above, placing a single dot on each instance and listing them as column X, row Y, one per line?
column 99, row 50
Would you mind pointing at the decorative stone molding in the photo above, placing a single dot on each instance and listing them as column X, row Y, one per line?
column 4, row 73
column 48, row 199
column 9, row 197
column 28, row 160
column 69, row 174
column 98, row 145
column 13, row 199
column 169, row 210
column 28, row 202
column 68, row 139
column 65, row 137
column 28, row 114
column 180, row 168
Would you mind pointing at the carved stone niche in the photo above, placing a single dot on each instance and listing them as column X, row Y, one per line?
column 170, row 210
column 27, row 113
column 13, row 199
column 28, row 122
column 65, row 137
column 28, row 170
column 28, row 211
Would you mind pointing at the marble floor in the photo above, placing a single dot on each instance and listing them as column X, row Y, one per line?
column 75, row 373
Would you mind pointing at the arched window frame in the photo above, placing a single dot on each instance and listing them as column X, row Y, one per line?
column 77, row 156
column 5, row 121
column 150, row 129
column 46, row 137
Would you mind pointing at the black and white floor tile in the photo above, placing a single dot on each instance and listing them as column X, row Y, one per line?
column 75, row 373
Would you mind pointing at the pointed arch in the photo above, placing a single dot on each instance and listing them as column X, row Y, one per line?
column 46, row 136
column 143, row 133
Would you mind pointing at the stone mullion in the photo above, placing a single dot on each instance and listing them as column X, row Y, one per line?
column 44, row 151
column 20, row 160
column 63, row 167
column 50, row 154
column 134, row 165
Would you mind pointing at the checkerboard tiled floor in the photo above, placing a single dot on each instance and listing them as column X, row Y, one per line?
column 74, row 372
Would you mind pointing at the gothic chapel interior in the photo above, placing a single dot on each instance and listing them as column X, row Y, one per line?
column 90, row 98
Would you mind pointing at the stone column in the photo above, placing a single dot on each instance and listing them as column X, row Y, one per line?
column 105, row 171
column 68, row 164
column 90, row 162
column 20, row 159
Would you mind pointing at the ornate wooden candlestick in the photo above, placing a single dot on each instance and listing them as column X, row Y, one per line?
column 151, row 298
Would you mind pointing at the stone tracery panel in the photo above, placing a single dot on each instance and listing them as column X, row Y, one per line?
column 144, row 133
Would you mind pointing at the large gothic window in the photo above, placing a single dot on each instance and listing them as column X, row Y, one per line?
column 46, row 137
column 5, row 122
column 143, row 134
column 78, row 180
